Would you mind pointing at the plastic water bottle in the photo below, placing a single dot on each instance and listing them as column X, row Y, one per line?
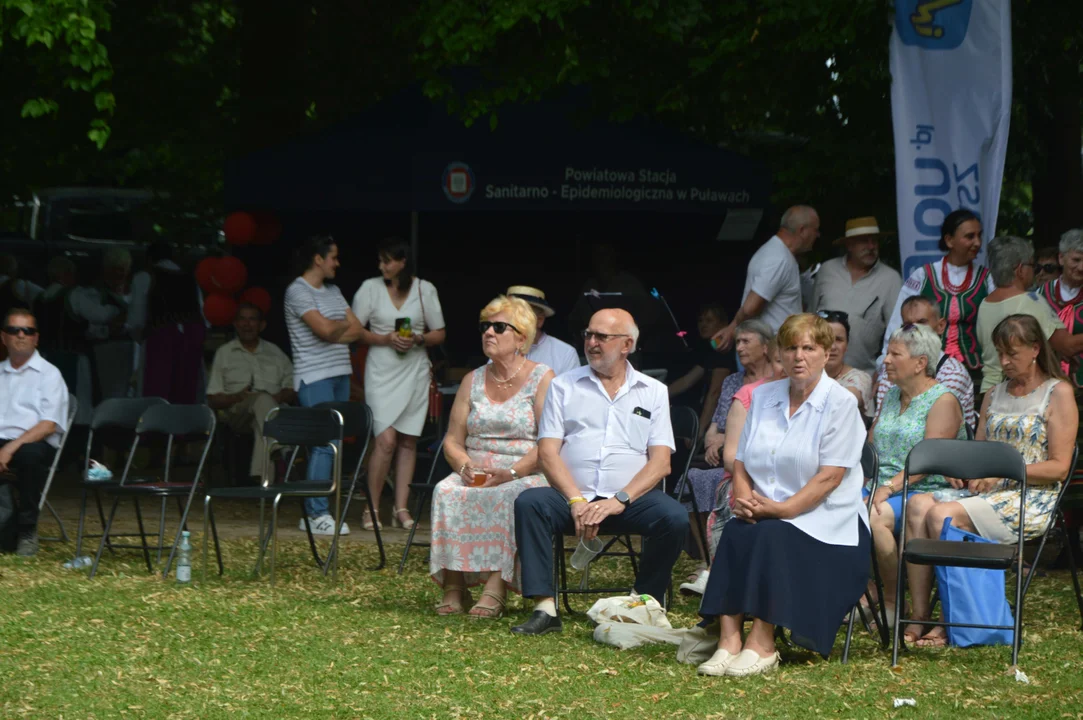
column 184, row 559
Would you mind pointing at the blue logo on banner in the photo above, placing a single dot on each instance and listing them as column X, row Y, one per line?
column 458, row 182
column 933, row 24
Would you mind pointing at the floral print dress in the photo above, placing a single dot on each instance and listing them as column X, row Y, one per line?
column 473, row 529
column 1021, row 422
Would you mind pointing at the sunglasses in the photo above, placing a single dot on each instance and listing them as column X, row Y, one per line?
column 834, row 316
column 600, row 337
column 16, row 330
column 499, row 327
column 1047, row 268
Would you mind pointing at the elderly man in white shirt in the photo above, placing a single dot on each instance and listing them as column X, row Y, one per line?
column 547, row 350
column 33, row 413
column 604, row 443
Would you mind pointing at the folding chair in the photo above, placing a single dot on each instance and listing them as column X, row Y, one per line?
column 356, row 423
column 438, row 470
column 112, row 417
column 870, row 469
column 294, row 427
column 970, row 459
column 43, row 503
column 1073, row 500
column 173, row 421
column 685, row 423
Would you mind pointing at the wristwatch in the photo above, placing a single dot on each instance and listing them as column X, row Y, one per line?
column 622, row 498
column 514, row 475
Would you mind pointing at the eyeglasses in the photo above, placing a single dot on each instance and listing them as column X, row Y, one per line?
column 16, row 330
column 498, row 327
column 600, row 337
column 834, row 316
column 1047, row 268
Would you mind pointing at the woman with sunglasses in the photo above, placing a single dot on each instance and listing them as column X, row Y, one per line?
column 858, row 382
column 956, row 284
column 404, row 318
column 492, row 444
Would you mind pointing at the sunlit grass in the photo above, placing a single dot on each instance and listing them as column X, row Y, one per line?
column 132, row 645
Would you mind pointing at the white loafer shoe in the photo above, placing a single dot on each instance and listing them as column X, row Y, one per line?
column 749, row 662
column 716, row 666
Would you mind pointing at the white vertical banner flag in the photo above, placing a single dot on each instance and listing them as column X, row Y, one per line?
column 951, row 95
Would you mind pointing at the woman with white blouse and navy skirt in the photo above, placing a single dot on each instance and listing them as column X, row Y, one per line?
column 796, row 553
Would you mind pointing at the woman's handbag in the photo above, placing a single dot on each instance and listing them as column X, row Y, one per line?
column 436, row 400
column 974, row 596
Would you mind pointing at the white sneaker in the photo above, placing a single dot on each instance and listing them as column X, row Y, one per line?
column 323, row 525
column 695, row 588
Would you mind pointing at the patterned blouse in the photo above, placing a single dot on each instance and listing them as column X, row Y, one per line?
column 897, row 431
column 1021, row 422
column 730, row 386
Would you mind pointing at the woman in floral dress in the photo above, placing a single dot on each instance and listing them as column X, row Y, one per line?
column 492, row 437
column 1034, row 411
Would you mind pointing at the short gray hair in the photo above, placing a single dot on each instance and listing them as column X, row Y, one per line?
column 633, row 330
column 1006, row 253
column 797, row 217
column 756, row 327
column 1071, row 241
column 920, row 340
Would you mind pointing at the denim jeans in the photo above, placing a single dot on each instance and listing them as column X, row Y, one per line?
column 321, row 461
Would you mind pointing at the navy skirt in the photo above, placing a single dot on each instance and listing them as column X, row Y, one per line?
column 775, row 572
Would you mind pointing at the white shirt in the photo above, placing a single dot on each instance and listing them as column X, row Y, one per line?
column 774, row 276
column 605, row 440
column 30, row 394
column 781, row 454
column 557, row 354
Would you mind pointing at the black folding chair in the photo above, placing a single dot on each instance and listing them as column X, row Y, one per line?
column 870, row 469
column 438, row 470
column 187, row 422
column 1073, row 500
column 114, row 420
column 357, row 424
column 685, row 424
column 967, row 460
column 43, row 503
column 296, row 428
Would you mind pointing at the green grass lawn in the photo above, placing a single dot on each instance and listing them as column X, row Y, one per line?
column 129, row 645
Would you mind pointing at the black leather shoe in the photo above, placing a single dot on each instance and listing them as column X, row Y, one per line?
column 540, row 623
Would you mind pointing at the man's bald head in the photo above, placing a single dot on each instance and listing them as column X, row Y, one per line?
column 610, row 338
column 619, row 321
column 802, row 222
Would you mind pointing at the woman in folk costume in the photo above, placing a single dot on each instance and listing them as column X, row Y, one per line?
column 1064, row 296
column 956, row 285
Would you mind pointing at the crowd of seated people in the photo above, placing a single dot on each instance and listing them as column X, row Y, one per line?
column 535, row 453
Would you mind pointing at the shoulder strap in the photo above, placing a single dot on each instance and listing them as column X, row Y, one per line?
column 940, row 364
column 421, row 299
column 1048, row 394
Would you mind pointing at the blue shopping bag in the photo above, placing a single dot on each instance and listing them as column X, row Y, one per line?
column 973, row 595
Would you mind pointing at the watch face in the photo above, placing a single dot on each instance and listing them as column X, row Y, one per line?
column 622, row 497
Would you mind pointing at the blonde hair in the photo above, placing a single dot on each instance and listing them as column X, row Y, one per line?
column 519, row 314
column 818, row 329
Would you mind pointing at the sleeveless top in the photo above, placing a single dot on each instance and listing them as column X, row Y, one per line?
column 960, row 338
column 498, row 434
column 1070, row 313
column 1021, row 422
column 897, row 431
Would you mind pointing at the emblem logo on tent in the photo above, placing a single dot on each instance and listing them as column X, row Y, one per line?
column 933, row 24
column 458, row 182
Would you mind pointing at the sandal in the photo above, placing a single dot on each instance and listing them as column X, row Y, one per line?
column 404, row 524
column 368, row 524
column 913, row 636
column 929, row 640
column 445, row 609
column 485, row 612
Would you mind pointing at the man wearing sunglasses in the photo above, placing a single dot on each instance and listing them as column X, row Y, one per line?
column 33, row 411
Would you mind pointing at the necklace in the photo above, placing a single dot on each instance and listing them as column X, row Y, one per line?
column 505, row 383
column 955, row 289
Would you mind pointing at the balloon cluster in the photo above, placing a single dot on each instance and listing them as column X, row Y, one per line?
column 221, row 278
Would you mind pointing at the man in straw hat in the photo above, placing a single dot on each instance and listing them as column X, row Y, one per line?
column 861, row 286
column 547, row 350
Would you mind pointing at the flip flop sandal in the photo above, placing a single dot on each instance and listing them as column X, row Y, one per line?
column 447, row 609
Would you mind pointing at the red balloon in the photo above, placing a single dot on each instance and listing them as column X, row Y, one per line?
column 229, row 275
column 219, row 309
column 240, row 228
column 205, row 273
column 268, row 229
column 258, row 297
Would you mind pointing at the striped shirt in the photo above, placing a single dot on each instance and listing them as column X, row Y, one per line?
column 952, row 375
column 314, row 359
